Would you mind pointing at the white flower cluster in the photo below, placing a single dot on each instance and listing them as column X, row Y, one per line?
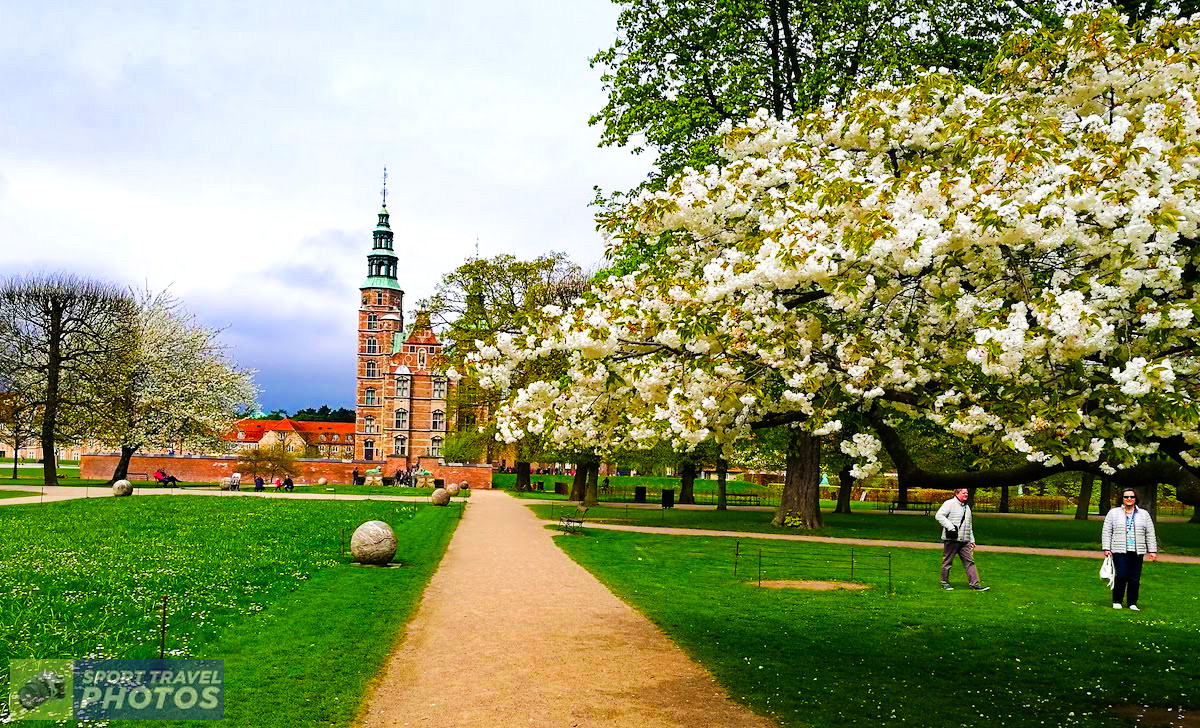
column 1017, row 264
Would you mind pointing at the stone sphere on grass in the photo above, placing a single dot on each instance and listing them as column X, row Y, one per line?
column 122, row 488
column 452, row 488
column 440, row 497
column 373, row 543
column 322, row 481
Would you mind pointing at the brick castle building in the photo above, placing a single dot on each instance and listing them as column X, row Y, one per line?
column 401, row 390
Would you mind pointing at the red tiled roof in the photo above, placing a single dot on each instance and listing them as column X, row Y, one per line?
column 255, row 429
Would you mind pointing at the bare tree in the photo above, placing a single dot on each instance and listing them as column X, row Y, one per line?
column 62, row 336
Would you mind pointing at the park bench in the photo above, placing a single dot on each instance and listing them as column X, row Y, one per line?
column 925, row 507
column 741, row 499
column 572, row 522
column 137, row 476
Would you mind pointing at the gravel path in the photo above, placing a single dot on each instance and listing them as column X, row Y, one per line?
column 511, row 632
column 982, row 548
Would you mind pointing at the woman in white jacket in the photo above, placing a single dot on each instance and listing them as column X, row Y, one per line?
column 1128, row 536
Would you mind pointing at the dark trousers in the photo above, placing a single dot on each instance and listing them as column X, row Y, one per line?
column 1129, row 576
column 965, row 550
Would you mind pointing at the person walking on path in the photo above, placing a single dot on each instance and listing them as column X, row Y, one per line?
column 958, row 538
column 1128, row 537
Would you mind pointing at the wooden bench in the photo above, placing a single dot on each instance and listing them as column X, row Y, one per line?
column 741, row 499
column 925, row 507
column 572, row 522
column 139, row 476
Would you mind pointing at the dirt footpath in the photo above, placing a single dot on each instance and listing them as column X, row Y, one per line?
column 511, row 632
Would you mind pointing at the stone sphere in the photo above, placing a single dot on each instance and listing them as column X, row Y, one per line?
column 373, row 543
column 440, row 497
column 464, row 485
column 452, row 488
column 322, row 481
column 122, row 487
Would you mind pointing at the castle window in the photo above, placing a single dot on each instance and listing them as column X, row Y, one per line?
column 435, row 447
column 369, row 425
column 368, row 450
column 402, row 385
column 421, row 358
column 400, row 445
column 379, row 298
column 439, row 420
column 439, row 389
column 241, row 435
column 401, row 419
column 372, row 346
column 321, row 438
column 369, row 397
column 372, row 369
column 335, row 438
column 372, row 321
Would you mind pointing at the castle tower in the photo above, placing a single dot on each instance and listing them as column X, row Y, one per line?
column 380, row 319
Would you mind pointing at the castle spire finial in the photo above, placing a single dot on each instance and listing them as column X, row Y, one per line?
column 385, row 187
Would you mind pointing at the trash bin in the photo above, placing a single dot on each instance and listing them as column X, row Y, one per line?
column 668, row 498
column 560, row 488
column 639, row 494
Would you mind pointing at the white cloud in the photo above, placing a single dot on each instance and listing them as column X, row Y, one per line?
column 233, row 151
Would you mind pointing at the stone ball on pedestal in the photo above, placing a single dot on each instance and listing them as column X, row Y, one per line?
column 322, row 481
column 452, row 488
column 122, row 488
column 373, row 543
column 440, row 497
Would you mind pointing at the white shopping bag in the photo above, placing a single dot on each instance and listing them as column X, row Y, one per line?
column 1108, row 572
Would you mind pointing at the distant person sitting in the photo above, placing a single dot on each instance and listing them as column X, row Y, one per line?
column 288, row 485
column 259, row 483
column 278, row 483
column 165, row 480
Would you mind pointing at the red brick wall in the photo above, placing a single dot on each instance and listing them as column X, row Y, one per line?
column 479, row 477
column 212, row 469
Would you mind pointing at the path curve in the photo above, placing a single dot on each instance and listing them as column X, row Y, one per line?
column 511, row 632
column 666, row 530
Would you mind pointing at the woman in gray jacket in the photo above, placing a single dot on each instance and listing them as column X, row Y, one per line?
column 1128, row 536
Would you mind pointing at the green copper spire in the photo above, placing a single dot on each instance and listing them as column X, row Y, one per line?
column 381, row 261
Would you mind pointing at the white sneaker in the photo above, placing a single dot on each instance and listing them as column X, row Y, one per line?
column 1116, row 605
column 1134, row 607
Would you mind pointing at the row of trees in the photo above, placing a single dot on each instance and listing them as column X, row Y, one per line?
column 84, row 360
column 1010, row 260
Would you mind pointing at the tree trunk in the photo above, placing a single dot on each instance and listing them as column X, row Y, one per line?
column 902, row 490
column 578, row 483
column 801, row 496
column 687, row 482
column 1085, row 496
column 722, row 477
column 1106, row 487
column 1148, row 499
column 1004, row 499
column 50, row 406
column 845, row 486
column 121, row 472
column 591, row 490
column 522, row 476
column 1195, row 515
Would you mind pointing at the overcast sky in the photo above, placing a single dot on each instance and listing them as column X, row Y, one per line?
column 233, row 152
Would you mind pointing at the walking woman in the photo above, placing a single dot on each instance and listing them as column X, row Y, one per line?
column 1128, row 537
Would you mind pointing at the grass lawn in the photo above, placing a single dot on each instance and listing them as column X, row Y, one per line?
column 995, row 530
column 1042, row 648
column 259, row 583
